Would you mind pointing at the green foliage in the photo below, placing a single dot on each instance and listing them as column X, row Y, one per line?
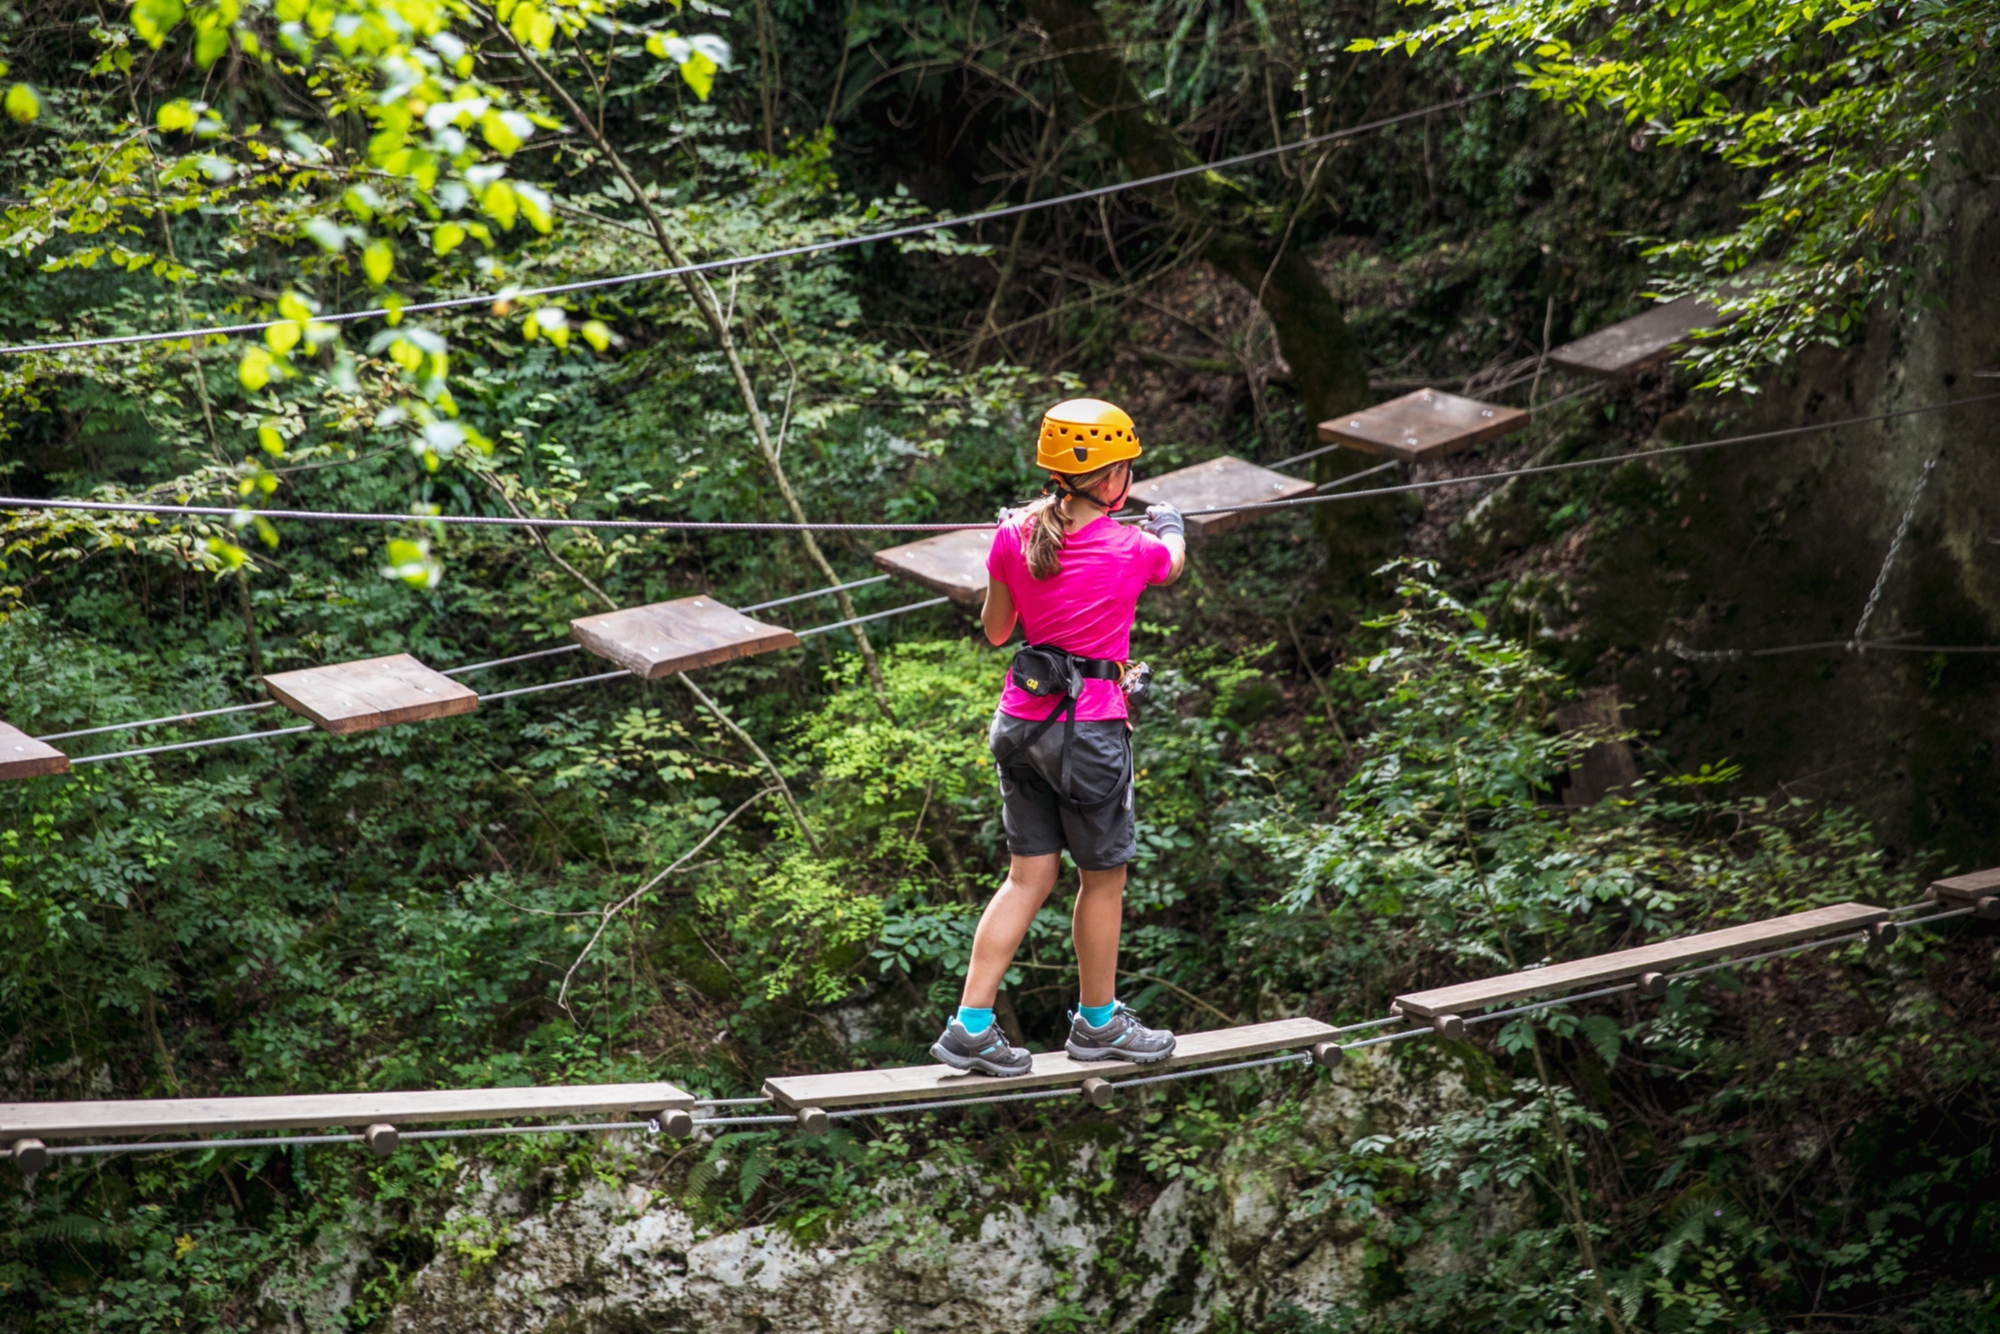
column 1840, row 114
column 417, row 906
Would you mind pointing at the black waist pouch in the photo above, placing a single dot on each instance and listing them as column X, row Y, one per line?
column 1044, row 671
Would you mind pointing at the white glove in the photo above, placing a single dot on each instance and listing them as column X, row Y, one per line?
column 1164, row 521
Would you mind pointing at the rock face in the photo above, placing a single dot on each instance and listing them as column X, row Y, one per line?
column 616, row 1260
column 1696, row 568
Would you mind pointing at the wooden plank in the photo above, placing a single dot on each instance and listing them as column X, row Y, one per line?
column 21, row 756
column 1644, row 341
column 1605, row 767
column 1468, row 998
column 921, row 1083
column 201, row 1116
column 665, row 637
column 1217, row 484
column 345, row 697
column 1428, row 424
column 953, row 564
column 1968, row 888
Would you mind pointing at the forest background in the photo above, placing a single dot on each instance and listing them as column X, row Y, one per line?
column 1350, row 772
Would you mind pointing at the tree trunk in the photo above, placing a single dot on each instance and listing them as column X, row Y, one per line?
column 1328, row 369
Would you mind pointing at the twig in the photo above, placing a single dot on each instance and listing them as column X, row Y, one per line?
column 611, row 910
column 784, row 789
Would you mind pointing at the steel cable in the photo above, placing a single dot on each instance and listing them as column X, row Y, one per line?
column 471, row 667
column 23, row 503
column 787, row 252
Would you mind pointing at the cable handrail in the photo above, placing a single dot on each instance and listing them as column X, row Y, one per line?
column 786, row 252
column 29, row 504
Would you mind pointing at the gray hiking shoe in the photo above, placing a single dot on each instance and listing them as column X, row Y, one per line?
column 1123, row 1038
column 985, row 1053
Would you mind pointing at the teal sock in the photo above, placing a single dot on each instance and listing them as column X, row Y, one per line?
column 1097, row 1016
column 973, row 1020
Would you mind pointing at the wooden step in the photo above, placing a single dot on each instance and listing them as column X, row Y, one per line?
column 1216, row 485
column 953, row 564
column 1428, row 424
column 21, row 756
column 923, row 1083
column 677, row 636
column 345, row 697
column 1644, row 341
column 1968, row 888
column 1468, row 998
column 314, row 1111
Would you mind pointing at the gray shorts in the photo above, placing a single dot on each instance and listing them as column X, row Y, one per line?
column 1101, row 837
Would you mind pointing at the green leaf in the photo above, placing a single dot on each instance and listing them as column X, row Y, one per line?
column 283, row 336
column 23, row 103
column 534, row 207
column 447, row 238
column 411, row 562
column 363, row 202
column 505, row 131
column 596, row 333
column 1602, row 1032
column 255, row 369
column 154, row 19
column 271, row 441
column 499, row 203
column 377, row 261
column 326, row 233
column 699, row 72
column 211, row 40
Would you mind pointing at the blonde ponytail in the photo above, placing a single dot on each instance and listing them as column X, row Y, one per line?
column 1048, row 523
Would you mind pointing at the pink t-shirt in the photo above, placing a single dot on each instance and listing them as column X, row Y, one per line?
column 1085, row 608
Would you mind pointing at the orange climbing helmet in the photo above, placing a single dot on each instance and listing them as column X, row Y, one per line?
column 1081, row 435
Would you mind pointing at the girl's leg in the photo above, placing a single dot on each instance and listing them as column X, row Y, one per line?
column 1100, row 912
column 1005, row 922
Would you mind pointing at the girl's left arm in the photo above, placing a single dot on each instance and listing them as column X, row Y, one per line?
column 997, row 615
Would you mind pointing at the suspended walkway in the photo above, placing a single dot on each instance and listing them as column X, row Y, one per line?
column 813, row 1102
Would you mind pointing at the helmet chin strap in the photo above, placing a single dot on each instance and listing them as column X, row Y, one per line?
column 1062, row 488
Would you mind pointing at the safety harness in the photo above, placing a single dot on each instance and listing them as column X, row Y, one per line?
column 1042, row 670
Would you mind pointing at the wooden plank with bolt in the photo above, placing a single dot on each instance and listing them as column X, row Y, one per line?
column 953, row 564
column 312, row 1111
column 664, row 637
column 345, row 697
column 21, row 756
column 1470, row 997
column 1216, row 485
column 925, row 1083
column 1429, row 424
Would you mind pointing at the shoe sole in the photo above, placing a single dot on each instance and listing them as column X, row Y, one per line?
column 1077, row 1053
column 978, row 1065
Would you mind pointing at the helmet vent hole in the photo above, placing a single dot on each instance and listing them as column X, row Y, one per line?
column 1082, row 453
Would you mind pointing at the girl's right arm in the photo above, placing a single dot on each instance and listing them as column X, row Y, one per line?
column 997, row 615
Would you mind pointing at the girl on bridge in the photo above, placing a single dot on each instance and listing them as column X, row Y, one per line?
column 1062, row 738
